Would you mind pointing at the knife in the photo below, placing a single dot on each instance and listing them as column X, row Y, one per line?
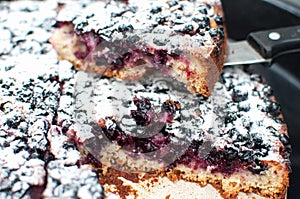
column 263, row 46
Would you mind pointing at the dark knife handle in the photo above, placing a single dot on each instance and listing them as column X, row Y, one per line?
column 270, row 43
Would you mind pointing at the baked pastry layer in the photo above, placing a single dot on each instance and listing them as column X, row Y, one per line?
column 182, row 39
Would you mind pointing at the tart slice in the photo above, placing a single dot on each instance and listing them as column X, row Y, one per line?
column 183, row 39
column 156, row 140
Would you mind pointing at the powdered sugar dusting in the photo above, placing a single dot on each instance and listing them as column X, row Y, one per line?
column 37, row 102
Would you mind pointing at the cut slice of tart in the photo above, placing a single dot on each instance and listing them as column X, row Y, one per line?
column 183, row 39
column 156, row 140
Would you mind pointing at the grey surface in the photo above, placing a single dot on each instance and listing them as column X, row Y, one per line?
column 292, row 2
column 293, row 6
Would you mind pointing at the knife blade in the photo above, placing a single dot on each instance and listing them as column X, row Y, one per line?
column 263, row 46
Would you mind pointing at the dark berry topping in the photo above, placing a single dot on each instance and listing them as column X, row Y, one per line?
column 246, row 155
column 247, row 149
column 178, row 15
column 285, row 151
column 267, row 91
column 213, row 32
column 202, row 9
column 232, row 133
column 195, row 19
column 257, row 167
column 204, row 23
column 142, row 104
column 123, row 27
column 170, row 107
column 120, row 13
column 244, row 107
column 90, row 16
column 188, row 29
column 255, row 77
column 59, row 24
column 161, row 20
column 90, row 159
column 274, row 109
column 173, row 3
column 230, row 117
column 133, row 144
column 141, row 115
column 216, row 33
column 156, row 10
column 284, row 138
column 238, row 95
column 160, row 57
column 160, row 41
column 81, row 25
column 181, row 7
column 107, row 33
column 118, row 63
column 218, row 19
column 14, row 122
column 224, row 160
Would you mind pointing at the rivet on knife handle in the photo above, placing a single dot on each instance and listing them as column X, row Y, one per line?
column 271, row 43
